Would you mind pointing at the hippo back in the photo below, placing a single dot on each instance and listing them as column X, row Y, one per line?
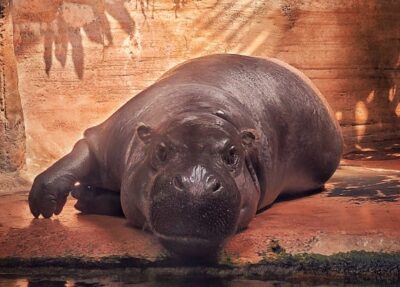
column 300, row 143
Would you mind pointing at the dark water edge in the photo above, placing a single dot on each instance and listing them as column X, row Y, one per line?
column 181, row 282
column 170, row 277
column 356, row 268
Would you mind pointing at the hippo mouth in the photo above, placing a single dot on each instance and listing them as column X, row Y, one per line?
column 190, row 247
column 183, row 238
column 190, row 244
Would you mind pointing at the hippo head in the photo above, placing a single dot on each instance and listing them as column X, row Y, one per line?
column 200, row 186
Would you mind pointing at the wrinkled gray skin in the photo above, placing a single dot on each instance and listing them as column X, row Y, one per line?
column 195, row 155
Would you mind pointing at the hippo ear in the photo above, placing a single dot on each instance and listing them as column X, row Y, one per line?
column 145, row 133
column 249, row 136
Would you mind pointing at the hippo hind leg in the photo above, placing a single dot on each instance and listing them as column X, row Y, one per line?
column 94, row 200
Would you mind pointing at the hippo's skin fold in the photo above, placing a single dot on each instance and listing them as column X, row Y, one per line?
column 196, row 154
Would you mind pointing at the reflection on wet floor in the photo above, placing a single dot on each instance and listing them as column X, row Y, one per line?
column 192, row 282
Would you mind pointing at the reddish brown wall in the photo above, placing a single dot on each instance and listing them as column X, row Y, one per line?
column 79, row 60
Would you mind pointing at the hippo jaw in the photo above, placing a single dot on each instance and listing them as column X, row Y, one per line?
column 191, row 248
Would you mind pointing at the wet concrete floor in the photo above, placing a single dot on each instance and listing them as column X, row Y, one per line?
column 359, row 210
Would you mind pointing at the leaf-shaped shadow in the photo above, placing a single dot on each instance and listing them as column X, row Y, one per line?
column 99, row 30
column 57, row 38
column 48, row 40
column 62, row 27
column 75, row 38
column 62, row 21
column 118, row 11
column 61, row 41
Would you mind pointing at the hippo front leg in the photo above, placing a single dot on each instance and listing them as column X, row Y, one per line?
column 50, row 189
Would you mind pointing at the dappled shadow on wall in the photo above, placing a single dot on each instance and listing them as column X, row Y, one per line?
column 373, row 109
column 60, row 24
column 245, row 27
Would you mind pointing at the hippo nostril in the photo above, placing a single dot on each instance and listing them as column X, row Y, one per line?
column 213, row 184
column 177, row 182
column 216, row 187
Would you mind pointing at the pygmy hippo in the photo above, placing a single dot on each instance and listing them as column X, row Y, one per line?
column 194, row 156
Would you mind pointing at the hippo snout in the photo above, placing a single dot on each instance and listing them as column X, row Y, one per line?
column 208, row 184
column 194, row 211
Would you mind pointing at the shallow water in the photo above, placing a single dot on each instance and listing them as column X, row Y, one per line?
column 123, row 282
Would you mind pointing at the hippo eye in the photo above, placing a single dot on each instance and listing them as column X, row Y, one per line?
column 161, row 152
column 230, row 156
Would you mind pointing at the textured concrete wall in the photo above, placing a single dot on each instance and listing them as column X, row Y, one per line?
column 12, row 135
column 79, row 60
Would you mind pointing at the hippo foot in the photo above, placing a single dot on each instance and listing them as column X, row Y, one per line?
column 93, row 200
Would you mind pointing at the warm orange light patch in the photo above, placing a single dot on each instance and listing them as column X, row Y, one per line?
column 397, row 110
column 359, row 147
column 361, row 117
column 20, row 282
column 371, row 97
column 360, row 131
column 392, row 93
column 257, row 42
column 339, row 116
column 361, row 113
